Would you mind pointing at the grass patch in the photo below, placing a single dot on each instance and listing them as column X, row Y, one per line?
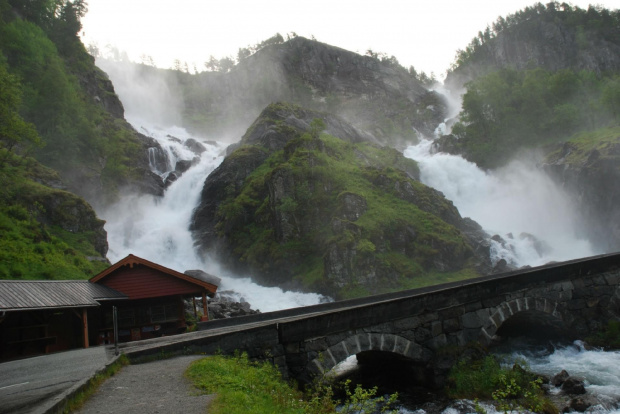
column 512, row 389
column 603, row 140
column 245, row 387
column 33, row 245
column 77, row 401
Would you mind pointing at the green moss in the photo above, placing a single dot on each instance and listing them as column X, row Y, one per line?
column 316, row 174
column 30, row 248
column 580, row 146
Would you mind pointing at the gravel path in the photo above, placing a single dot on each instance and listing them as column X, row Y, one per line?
column 153, row 387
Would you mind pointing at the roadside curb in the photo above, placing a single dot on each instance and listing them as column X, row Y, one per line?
column 58, row 404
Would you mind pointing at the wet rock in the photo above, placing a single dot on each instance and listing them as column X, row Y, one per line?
column 224, row 306
column 573, row 386
column 194, row 146
column 183, row 165
column 558, row 379
column 501, row 266
column 580, row 404
column 170, row 178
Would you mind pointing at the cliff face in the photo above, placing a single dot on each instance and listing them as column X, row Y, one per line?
column 377, row 96
column 300, row 208
column 551, row 37
column 589, row 166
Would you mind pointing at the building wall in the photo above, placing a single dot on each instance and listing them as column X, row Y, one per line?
column 141, row 282
column 139, row 319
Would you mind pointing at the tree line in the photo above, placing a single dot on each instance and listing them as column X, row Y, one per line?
column 596, row 21
column 509, row 109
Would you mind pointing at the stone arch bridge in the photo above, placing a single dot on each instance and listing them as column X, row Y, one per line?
column 568, row 300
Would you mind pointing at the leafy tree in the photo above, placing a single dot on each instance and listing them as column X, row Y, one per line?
column 510, row 109
column 226, row 64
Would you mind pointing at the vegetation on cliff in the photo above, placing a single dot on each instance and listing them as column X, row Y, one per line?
column 49, row 115
column 70, row 102
column 45, row 232
column 552, row 36
column 509, row 110
column 307, row 209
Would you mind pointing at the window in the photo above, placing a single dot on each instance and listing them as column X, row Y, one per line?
column 164, row 313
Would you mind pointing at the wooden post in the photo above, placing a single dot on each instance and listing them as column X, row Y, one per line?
column 195, row 310
column 205, row 309
column 85, row 326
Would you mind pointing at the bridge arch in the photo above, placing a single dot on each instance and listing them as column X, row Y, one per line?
column 522, row 312
column 364, row 342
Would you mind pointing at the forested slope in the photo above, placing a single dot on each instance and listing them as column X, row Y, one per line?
column 62, row 133
column 545, row 83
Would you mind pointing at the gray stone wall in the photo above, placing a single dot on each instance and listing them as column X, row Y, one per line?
column 580, row 305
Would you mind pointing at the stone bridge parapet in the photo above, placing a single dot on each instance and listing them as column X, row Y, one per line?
column 570, row 300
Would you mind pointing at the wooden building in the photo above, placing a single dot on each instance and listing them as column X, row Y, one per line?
column 38, row 317
column 155, row 299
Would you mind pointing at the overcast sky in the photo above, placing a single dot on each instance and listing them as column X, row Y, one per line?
column 425, row 34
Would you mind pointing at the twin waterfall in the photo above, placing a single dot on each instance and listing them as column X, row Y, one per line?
column 531, row 220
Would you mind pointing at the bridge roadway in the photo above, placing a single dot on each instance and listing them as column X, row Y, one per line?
column 570, row 298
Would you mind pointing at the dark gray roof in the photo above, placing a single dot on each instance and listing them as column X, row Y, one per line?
column 52, row 294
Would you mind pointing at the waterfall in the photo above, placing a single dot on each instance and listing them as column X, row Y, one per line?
column 534, row 218
column 157, row 229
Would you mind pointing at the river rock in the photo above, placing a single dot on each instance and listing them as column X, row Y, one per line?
column 573, row 386
column 558, row 379
column 582, row 403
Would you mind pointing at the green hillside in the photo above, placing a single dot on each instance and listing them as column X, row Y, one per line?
column 302, row 208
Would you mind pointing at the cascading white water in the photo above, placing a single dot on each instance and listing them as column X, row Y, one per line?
column 515, row 202
column 600, row 371
column 157, row 229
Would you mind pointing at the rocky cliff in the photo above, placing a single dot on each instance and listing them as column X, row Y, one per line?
column 553, row 37
column 375, row 95
column 307, row 201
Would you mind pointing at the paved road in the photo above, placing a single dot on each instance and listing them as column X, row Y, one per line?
column 153, row 387
column 28, row 385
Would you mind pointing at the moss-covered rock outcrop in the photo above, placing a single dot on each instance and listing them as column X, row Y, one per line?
column 46, row 232
column 301, row 208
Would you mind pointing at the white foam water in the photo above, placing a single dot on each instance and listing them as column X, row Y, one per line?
column 599, row 369
column 515, row 202
column 157, row 229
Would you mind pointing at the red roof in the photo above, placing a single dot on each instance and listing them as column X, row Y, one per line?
column 141, row 283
